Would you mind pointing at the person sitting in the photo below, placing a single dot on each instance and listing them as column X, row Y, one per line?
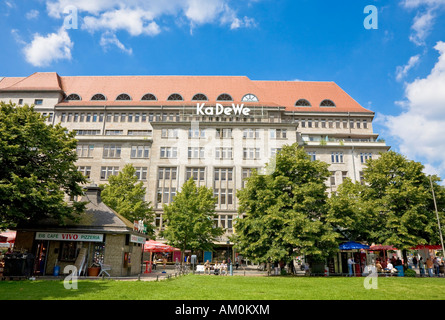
column 389, row 267
column 216, row 268
column 379, row 267
column 223, row 267
column 207, row 266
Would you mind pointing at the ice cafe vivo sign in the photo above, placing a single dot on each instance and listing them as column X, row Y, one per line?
column 219, row 109
column 69, row 236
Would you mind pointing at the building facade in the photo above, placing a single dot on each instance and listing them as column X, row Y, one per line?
column 215, row 129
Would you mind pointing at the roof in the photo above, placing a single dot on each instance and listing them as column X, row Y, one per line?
column 269, row 93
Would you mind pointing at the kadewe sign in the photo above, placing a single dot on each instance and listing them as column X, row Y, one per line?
column 69, row 236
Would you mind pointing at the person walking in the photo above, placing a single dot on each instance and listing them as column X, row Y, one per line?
column 415, row 262
column 421, row 267
column 429, row 266
column 436, row 266
column 350, row 266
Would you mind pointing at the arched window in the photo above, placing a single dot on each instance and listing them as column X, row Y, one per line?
column 73, row 97
column 250, row 98
column 175, row 97
column 98, row 96
column 123, row 96
column 199, row 97
column 302, row 103
column 149, row 97
column 327, row 103
column 224, row 97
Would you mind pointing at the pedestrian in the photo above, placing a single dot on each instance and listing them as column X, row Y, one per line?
column 350, row 264
column 415, row 262
column 236, row 262
column 429, row 266
column 154, row 263
column 436, row 266
column 421, row 267
column 164, row 262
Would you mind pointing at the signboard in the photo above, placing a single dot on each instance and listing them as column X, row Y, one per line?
column 139, row 226
column 69, row 236
column 137, row 239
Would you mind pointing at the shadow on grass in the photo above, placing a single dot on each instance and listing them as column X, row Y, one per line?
column 52, row 290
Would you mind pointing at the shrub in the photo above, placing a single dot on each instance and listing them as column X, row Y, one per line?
column 410, row 273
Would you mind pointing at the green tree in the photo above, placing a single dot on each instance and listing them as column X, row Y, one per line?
column 285, row 211
column 353, row 217
column 190, row 219
column 37, row 168
column 400, row 194
column 124, row 193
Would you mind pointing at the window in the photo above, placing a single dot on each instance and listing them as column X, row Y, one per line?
column 175, row 97
column 198, row 174
column 365, row 156
column 327, row 103
column 141, row 173
column 98, row 97
column 87, row 132
column 114, row 132
column 68, row 251
column 112, row 151
column 140, row 152
column 63, row 117
column 73, row 97
column 223, row 133
column 85, row 150
column 332, row 179
column 196, row 153
column 313, row 155
column 197, row 133
column 251, row 153
column 20, row 101
column 166, row 190
column 200, row 97
column 278, row 133
column 106, row 172
column 222, row 174
column 251, row 133
column 223, row 153
column 123, row 96
column 130, row 117
column 224, row 97
column 169, row 152
column 149, row 97
column 249, row 98
column 337, row 157
column 169, row 133
column 344, row 175
column 302, row 103
column 365, row 124
column 147, row 133
column 38, row 102
column 274, row 151
column 86, row 171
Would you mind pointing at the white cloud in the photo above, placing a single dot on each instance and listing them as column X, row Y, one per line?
column 108, row 39
column 32, row 14
column 420, row 129
column 402, row 71
column 45, row 49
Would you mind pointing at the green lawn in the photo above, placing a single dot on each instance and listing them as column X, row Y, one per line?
column 198, row 287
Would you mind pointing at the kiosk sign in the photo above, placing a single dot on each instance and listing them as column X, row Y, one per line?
column 69, row 236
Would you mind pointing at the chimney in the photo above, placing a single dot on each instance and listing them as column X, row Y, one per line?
column 92, row 194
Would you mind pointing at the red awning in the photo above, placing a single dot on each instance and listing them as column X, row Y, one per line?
column 8, row 236
column 427, row 246
column 155, row 246
column 380, row 247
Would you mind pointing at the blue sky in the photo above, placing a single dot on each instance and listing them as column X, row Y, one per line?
column 397, row 70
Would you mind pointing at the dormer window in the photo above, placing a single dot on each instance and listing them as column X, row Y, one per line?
column 250, row 98
column 122, row 97
column 200, row 97
column 149, row 97
column 73, row 97
column 175, row 97
column 327, row 103
column 302, row 103
column 98, row 96
column 224, row 97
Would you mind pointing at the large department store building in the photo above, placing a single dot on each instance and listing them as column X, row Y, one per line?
column 215, row 129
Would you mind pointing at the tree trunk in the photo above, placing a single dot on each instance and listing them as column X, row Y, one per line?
column 405, row 259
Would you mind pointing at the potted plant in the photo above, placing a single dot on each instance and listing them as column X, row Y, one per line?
column 94, row 270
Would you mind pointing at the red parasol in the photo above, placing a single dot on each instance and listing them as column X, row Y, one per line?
column 380, row 247
column 8, row 236
column 427, row 246
column 155, row 246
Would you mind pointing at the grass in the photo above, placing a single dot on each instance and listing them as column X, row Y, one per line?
column 198, row 287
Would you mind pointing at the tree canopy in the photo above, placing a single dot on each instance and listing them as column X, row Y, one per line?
column 285, row 211
column 190, row 218
column 37, row 168
column 124, row 193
